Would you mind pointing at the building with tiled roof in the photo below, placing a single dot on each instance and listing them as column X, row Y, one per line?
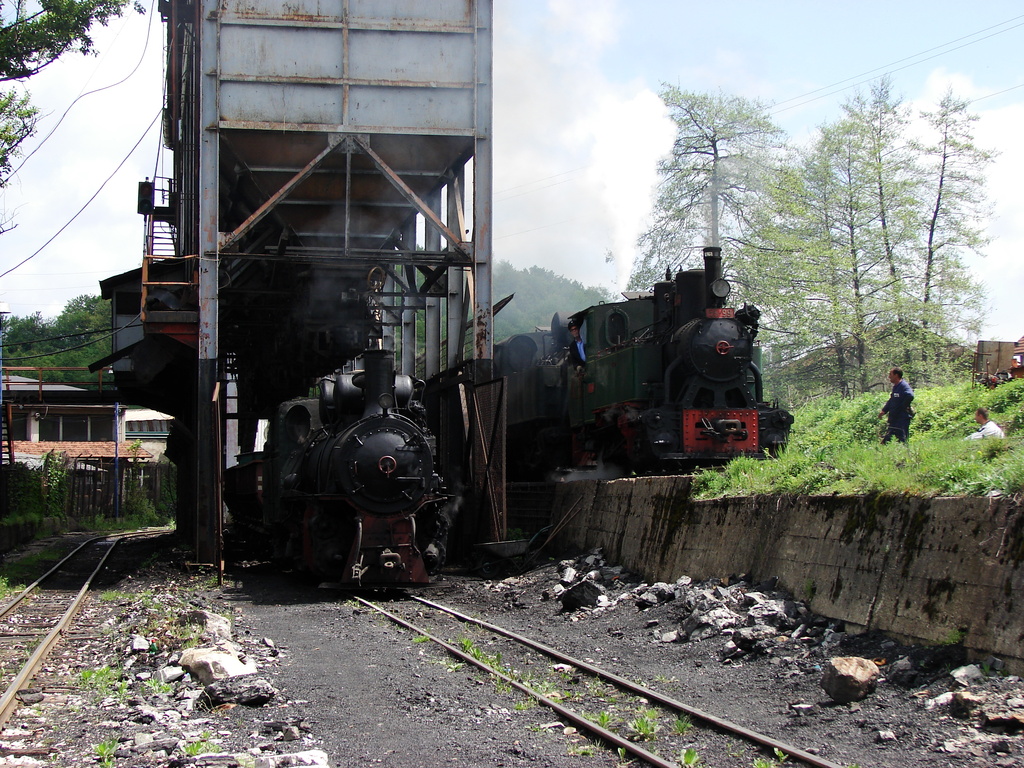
column 83, row 450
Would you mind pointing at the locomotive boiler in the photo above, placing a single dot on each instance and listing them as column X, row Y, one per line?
column 349, row 487
column 666, row 381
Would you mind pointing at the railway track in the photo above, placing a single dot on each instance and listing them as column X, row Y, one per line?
column 504, row 654
column 33, row 622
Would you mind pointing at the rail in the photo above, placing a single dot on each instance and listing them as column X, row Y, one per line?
column 9, row 698
column 622, row 683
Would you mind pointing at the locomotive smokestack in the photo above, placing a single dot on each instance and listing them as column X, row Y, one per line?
column 715, row 288
column 379, row 379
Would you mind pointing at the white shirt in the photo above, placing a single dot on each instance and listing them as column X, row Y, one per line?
column 988, row 429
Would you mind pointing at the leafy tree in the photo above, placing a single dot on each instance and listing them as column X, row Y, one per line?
column 18, row 120
column 857, row 262
column 40, row 34
column 75, row 338
column 711, row 181
column 954, row 210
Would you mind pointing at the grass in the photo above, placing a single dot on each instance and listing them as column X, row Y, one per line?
column 25, row 570
column 834, row 449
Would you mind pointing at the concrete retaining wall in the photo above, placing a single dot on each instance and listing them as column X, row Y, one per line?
column 926, row 570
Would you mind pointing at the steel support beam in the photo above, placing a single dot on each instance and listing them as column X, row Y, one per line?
column 208, row 459
column 229, row 241
column 415, row 200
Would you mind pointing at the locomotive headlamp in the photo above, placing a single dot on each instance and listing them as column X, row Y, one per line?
column 386, row 401
column 720, row 288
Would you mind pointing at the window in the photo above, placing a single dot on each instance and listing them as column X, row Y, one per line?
column 76, row 428
column 617, row 328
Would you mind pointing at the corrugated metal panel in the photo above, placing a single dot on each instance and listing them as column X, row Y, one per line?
column 368, row 70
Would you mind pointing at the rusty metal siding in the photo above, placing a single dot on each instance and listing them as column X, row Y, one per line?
column 361, row 70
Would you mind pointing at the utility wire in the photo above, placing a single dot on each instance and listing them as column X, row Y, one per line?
column 81, row 96
column 89, row 201
column 110, row 334
column 9, row 343
column 885, row 67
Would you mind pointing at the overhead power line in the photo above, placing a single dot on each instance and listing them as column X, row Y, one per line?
column 89, row 201
column 81, row 96
column 912, row 60
column 8, row 344
column 109, row 334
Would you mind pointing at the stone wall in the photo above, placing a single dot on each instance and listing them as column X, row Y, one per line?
column 926, row 570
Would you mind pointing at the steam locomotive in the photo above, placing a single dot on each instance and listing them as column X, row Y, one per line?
column 665, row 382
column 347, row 486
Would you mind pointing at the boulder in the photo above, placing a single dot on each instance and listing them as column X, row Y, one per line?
column 584, row 594
column 312, row 757
column 212, row 624
column 242, row 689
column 209, row 664
column 849, row 678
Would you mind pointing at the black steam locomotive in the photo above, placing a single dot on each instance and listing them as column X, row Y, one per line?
column 664, row 382
column 347, row 485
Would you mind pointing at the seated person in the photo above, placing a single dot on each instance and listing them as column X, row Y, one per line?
column 988, row 427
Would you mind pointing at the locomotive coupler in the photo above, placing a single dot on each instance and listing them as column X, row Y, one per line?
column 389, row 559
column 723, row 429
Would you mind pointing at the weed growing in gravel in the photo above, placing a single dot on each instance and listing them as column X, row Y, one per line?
column 201, row 747
column 6, row 589
column 583, row 750
column 525, row 704
column 158, row 687
column 105, row 682
column 105, row 752
column 682, row 726
column 689, row 756
column 644, row 726
column 603, row 719
column 421, row 639
column 735, row 749
column 764, row 762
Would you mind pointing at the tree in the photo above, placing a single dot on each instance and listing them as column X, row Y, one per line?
column 857, row 261
column 36, row 38
column 711, row 181
column 954, row 209
column 76, row 338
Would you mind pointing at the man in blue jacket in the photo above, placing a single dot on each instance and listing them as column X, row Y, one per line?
column 897, row 407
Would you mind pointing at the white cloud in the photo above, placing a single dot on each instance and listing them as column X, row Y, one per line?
column 575, row 152
column 1002, row 270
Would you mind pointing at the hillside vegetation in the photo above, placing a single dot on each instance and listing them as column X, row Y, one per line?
column 835, row 448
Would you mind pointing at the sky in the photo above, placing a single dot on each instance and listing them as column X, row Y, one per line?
column 578, row 126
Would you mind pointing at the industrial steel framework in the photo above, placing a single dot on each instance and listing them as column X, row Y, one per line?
column 331, row 192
